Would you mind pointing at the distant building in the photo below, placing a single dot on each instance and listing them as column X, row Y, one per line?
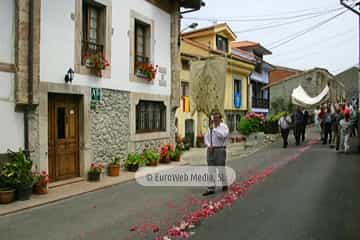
column 312, row 81
column 258, row 98
column 279, row 73
column 350, row 79
column 199, row 45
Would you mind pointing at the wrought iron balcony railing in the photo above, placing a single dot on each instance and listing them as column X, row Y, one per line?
column 260, row 103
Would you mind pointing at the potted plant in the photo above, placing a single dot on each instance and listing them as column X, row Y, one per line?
column 146, row 71
column 94, row 172
column 133, row 162
column 114, row 167
column 177, row 154
column 166, row 152
column 151, row 157
column 172, row 155
column 97, row 62
column 7, row 192
column 200, row 141
column 41, row 182
column 20, row 170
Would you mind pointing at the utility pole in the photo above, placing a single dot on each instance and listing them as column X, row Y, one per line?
column 354, row 6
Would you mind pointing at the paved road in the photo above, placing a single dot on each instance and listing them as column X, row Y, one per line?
column 315, row 197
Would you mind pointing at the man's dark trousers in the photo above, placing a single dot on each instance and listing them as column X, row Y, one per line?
column 298, row 131
column 216, row 157
column 285, row 135
column 327, row 133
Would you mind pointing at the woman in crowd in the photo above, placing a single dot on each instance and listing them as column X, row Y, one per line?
column 345, row 125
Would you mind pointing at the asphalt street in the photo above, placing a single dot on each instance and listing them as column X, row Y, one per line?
column 315, row 197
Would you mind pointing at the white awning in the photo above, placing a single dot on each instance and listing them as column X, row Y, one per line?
column 301, row 98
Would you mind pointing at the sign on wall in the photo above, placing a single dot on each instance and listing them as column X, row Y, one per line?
column 96, row 96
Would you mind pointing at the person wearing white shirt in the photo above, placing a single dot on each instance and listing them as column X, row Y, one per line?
column 215, row 140
column 284, row 125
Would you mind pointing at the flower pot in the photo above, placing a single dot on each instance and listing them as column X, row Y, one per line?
column 23, row 193
column 176, row 159
column 114, row 170
column 94, row 176
column 40, row 189
column 152, row 164
column 7, row 195
column 165, row 161
column 132, row 168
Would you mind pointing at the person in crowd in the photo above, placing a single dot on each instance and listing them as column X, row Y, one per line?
column 328, row 120
column 215, row 140
column 303, row 130
column 316, row 117
column 284, row 125
column 336, row 127
column 345, row 125
column 298, row 124
column 354, row 123
column 321, row 121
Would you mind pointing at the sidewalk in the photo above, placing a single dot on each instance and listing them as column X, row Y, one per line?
column 75, row 187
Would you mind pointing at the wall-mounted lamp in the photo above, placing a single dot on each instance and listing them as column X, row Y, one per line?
column 191, row 26
column 69, row 76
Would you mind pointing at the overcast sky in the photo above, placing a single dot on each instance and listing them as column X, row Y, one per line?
column 333, row 46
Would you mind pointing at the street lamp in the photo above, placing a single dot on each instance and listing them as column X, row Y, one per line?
column 191, row 26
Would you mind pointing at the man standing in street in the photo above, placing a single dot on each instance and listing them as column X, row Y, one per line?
column 306, row 119
column 284, row 125
column 215, row 140
column 299, row 122
column 328, row 121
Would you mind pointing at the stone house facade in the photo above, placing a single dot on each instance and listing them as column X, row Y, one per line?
column 70, row 114
column 350, row 79
column 313, row 82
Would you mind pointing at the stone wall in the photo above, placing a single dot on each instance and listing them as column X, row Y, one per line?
column 150, row 144
column 110, row 126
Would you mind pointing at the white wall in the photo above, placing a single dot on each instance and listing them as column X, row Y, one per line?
column 7, row 36
column 11, row 122
column 58, row 43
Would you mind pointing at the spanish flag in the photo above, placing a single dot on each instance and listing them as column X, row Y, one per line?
column 185, row 100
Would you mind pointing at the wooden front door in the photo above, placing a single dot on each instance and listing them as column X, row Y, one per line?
column 63, row 134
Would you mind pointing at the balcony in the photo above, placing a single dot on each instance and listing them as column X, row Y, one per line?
column 260, row 103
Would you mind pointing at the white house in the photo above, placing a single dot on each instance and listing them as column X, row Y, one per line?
column 81, row 113
column 11, row 122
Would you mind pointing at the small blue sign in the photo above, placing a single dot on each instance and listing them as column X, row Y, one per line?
column 237, row 100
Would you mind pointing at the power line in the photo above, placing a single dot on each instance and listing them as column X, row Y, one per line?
column 268, row 26
column 283, row 41
column 295, row 59
column 261, row 19
column 328, row 39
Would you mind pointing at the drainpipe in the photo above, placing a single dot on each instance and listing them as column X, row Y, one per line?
column 30, row 77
